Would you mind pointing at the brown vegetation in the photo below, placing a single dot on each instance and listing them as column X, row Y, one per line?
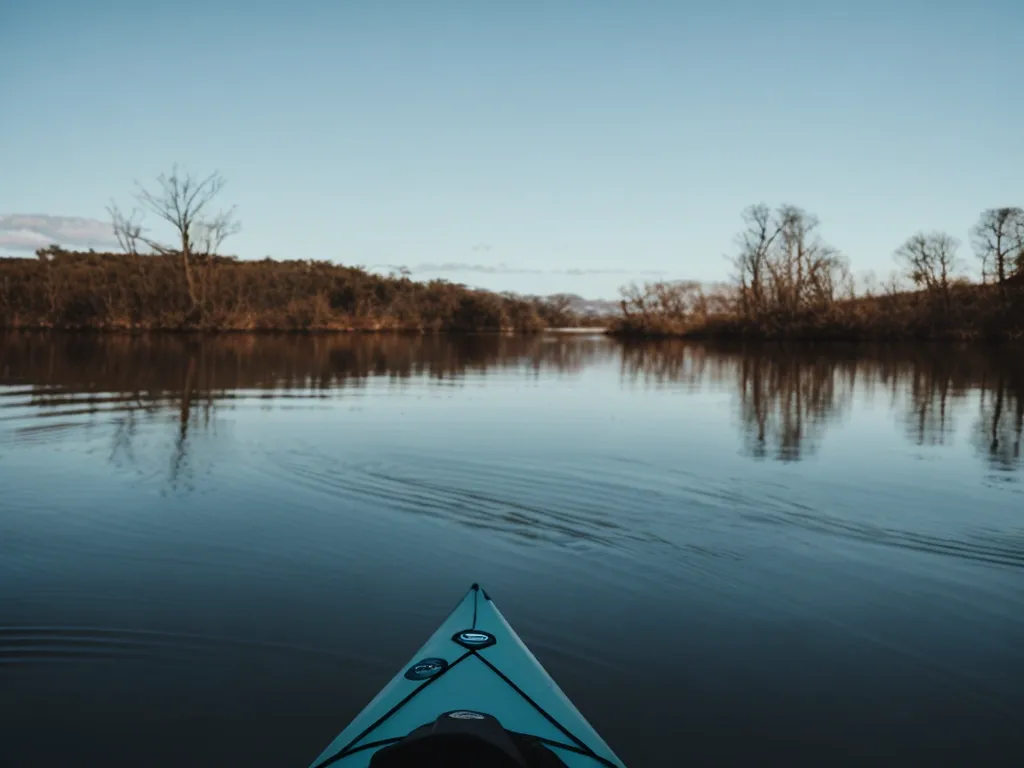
column 117, row 291
column 789, row 283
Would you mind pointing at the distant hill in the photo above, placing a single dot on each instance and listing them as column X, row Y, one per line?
column 581, row 306
column 593, row 307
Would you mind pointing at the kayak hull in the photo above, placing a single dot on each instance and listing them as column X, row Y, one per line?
column 474, row 661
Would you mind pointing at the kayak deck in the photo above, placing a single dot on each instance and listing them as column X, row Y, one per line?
column 476, row 662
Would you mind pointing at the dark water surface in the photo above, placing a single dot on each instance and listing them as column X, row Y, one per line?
column 214, row 553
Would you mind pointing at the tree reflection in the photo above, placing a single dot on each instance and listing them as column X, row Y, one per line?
column 117, row 379
column 936, row 382
column 1000, row 422
column 786, row 399
column 787, row 395
column 670, row 361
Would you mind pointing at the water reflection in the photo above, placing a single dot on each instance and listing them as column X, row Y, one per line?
column 151, row 366
column 1001, row 420
column 60, row 382
column 785, row 396
column 785, row 401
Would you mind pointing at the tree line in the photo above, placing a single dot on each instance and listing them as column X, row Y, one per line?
column 113, row 291
column 788, row 281
column 183, row 282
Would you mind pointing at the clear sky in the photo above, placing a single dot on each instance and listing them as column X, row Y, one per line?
column 537, row 146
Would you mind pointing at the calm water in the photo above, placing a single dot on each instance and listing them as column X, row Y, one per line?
column 214, row 553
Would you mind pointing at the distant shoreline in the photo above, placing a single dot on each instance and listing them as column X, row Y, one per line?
column 128, row 293
column 962, row 313
column 132, row 292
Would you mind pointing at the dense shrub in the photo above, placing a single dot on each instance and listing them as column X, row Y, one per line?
column 67, row 289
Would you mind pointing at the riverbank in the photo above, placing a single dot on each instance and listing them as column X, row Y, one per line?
column 965, row 313
column 74, row 290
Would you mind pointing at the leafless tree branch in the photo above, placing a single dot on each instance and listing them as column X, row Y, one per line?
column 998, row 239
column 127, row 229
column 930, row 260
column 181, row 200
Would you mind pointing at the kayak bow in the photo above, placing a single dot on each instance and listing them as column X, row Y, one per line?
column 473, row 694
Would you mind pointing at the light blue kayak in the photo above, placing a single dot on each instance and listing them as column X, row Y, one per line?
column 473, row 695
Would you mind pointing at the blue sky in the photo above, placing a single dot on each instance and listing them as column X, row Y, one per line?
column 563, row 145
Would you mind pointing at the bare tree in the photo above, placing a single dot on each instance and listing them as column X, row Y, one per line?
column 755, row 243
column 127, row 229
column 930, row 260
column 681, row 301
column 783, row 263
column 210, row 234
column 806, row 272
column 998, row 239
column 182, row 200
column 634, row 300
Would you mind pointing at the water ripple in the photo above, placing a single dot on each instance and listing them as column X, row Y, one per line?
column 40, row 644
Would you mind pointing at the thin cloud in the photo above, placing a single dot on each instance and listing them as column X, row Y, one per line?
column 29, row 231
column 488, row 269
column 648, row 272
column 505, row 269
column 23, row 240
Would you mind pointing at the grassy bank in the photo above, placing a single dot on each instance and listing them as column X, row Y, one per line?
column 965, row 313
column 73, row 290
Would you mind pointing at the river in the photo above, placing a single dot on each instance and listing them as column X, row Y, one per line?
column 214, row 552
